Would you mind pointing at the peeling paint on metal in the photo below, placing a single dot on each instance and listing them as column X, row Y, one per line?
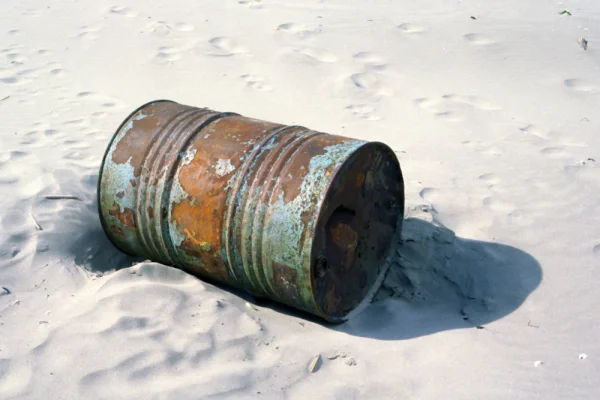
column 224, row 167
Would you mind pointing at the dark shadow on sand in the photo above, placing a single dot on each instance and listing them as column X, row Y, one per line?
column 438, row 281
column 83, row 237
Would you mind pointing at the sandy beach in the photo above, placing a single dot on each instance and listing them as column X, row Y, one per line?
column 491, row 107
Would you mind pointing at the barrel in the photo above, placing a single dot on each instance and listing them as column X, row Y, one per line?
column 284, row 212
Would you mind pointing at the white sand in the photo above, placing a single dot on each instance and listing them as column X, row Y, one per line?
column 496, row 121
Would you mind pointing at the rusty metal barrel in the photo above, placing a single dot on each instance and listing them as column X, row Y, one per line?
column 284, row 212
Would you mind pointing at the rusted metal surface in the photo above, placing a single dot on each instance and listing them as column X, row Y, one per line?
column 298, row 216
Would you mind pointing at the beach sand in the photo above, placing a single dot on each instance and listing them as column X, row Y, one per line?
column 492, row 108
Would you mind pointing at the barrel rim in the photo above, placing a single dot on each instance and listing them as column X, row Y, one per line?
column 379, row 280
column 99, row 184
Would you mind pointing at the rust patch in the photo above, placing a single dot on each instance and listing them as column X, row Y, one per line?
column 131, row 148
column 202, row 234
column 209, row 263
column 133, row 183
column 127, row 217
column 346, row 239
column 332, row 301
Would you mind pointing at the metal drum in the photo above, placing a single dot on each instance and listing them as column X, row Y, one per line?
column 301, row 217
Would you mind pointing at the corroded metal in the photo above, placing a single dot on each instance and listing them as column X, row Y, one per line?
column 284, row 212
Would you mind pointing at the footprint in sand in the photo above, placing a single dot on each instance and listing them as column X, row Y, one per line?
column 440, row 110
column 88, row 33
column 16, row 58
column 300, row 31
column 431, row 195
column 365, row 80
column 168, row 53
column 222, row 46
column 472, row 101
column 311, row 55
column 363, row 111
column 412, row 29
column 255, row 4
column 100, row 100
column 319, row 55
column 371, row 60
column 75, row 122
column 13, row 80
column 256, row 82
column 13, row 75
column 581, row 85
column 51, row 132
column 164, row 28
column 13, row 32
column 553, row 151
column 32, row 13
column 478, row 39
column 55, row 69
column 490, row 178
column 181, row 27
column 496, row 205
column 99, row 114
column 562, row 138
column 124, row 11
column 454, row 108
column 534, row 130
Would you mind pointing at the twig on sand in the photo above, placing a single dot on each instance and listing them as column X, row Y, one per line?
column 312, row 367
column 565, row 12
column 529, row 324
column 6, row 98
column 65, row 197
column 37, row 226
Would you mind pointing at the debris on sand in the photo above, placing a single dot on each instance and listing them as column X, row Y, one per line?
column 583, row 43
column 314, row 364
column 61, row 197
column 350, row 362
column 37, row 226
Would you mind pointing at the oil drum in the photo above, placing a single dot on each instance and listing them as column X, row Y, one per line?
column 284, row 212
